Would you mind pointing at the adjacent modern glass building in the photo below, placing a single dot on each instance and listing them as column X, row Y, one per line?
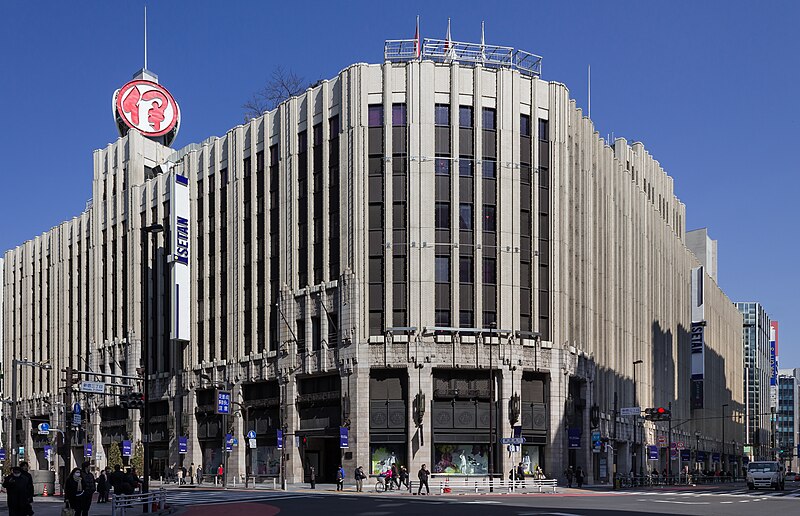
column 757, row 372
column 787, row 423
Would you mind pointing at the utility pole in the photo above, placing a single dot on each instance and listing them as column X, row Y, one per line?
column 669, row 443
column 722, row 457
column 614, row 450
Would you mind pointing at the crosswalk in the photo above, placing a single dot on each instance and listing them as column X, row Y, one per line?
column 738, row 493
column 183, row 497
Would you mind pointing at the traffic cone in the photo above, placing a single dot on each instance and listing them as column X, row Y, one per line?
column 44, row 493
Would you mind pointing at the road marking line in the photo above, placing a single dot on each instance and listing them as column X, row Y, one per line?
column 681, row 503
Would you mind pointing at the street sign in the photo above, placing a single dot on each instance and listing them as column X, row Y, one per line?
column 93, row 387
column 76, row 408
column 630, row 411
column 280, row 439
column 183, row 445
column 296, row 441
column 597, row 444
column 251, row 434
column 47, row 451
column 223, row 402
column 512, row 440
column 674, row 446
column 652, row 453
column 236, row 441
column 126, row 449
column 673, row 453
column 44, row 429
column 662, row 441
column 680, row 445
column 251, row 443
column 76, row 419
column 344, row 437
column 21, row 452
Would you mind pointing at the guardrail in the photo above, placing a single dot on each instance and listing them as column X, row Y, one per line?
column 497, row 485
column 155, row 500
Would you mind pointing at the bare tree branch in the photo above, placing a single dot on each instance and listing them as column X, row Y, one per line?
column 283, row 84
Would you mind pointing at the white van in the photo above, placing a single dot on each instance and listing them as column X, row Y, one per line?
column 766, row 474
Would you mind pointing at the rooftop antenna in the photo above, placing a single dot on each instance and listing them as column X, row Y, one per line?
column 145, row 37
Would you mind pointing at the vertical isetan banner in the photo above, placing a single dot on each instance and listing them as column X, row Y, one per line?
column 180, row 236
column 698, row 339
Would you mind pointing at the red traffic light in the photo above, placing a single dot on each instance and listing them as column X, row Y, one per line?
column 661, row 410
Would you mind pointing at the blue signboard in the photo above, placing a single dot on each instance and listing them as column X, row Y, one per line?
column 223, row 402
column 280, row 439
column 2, row 454
column 87, row 450
column 183, row 444
column 701, row 456
column 228, row 442
column 686, row 455
column 715, row 457
column 652, row 452
column 344, row 437
column 252, row 434
column 47, row 451
column 597, row 444
column 76, row 408
column 574, row 437
column 21, row 452
column 126, row 449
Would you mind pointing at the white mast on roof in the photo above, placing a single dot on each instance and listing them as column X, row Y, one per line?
column 145, row 37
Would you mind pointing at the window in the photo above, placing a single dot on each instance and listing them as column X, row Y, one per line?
column 489, row 220
column 489, row 119
column 465, row 116
column 544, row 130
column 442, row 114
column 525, row 125
column 465, row 165
column 465, row 216
column 376, row 115
column 442, row 215
column 465, row 269
column 442, row 318
column 398, row 114
column 490, row 271
column 489, row 168
column 466, row 319
column 442, row 268
column 442, row 166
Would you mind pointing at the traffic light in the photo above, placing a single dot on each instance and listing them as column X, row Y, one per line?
column 657, row 414
column 136, row 400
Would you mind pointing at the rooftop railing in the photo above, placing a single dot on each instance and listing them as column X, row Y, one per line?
column 443, row 51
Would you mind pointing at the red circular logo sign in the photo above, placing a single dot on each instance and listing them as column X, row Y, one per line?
column 147, row 107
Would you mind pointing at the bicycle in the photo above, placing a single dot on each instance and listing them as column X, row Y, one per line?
column 380, row 486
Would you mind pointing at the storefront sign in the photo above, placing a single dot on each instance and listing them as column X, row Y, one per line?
column 183, row 445
column 223, row 402
column 126, row 449
column 574, row 437
column 87, row 450
column 180, row 268
column 2, row 454
column 279, row 438
column 652, row 452
column 344, row 437
column 147, row 107
column 228, row 442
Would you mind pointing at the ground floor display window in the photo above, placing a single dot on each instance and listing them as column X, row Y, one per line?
column 460, row 459
column 383, row 455
column 265, row 461
column 212, row 456
column 531, row 458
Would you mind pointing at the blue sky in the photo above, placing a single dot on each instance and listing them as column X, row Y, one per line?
column 707, row 86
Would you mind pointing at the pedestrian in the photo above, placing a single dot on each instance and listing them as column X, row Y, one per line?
column 89, row 485
column 395, row 476
column 79, row 498
column 18, row 493
column 183, row 474
column 359, row 476
column 25, row 467
column 191, row 473
column 521, row 473
column 199, row 475
column 539, row 473
column 404, row 477
column 132, row 478
column 102, row 487
column 313, row 477
column 423, row 475
column 340, row 479
column 569, row 474
column 579, row 477
column 221, row 474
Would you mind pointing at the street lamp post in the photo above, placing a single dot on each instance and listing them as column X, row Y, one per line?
column 151, row 230
column 493, row 328
column 634, row 462
column 12, row 438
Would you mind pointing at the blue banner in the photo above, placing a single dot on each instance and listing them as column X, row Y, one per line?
column 228, row 442
column 701, row 456
column 344, row 437
column 715, row 457
column 574, row 437
column 126, row 449
column 652, row 452
column 183, row 444
column 3, row 453
column 686, row 455
column 87, row 450
column 280, row 439
column 48, row 450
